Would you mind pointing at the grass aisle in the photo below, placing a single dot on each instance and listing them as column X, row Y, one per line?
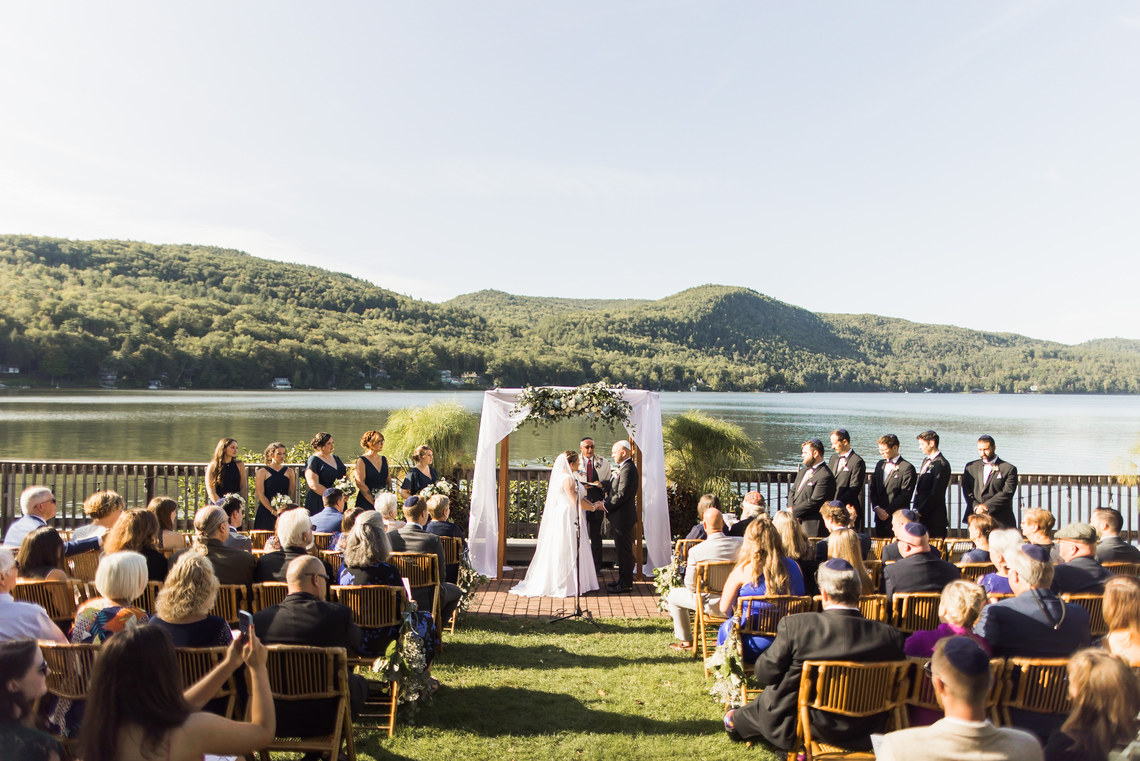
column 526, row 689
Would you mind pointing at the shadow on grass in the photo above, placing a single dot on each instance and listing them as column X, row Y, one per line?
column 505, row 655
column 570, row 626
column 524, row 712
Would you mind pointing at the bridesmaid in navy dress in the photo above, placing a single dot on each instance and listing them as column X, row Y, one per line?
column 371, row 472
column 422, row 475
column 226, row 473
column 272, row 478
column 321, row 471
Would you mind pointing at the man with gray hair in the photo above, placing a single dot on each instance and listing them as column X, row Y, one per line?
column 39, row 506
column 839, row 633
column 18, row 619
column 621, row 508
column 751, row 508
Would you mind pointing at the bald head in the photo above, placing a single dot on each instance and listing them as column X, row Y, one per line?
column 713, row 520
column 301, row 572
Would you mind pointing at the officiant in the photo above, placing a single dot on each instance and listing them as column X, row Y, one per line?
column 593, row 471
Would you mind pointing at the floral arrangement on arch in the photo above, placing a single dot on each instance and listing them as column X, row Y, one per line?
column 598, row 402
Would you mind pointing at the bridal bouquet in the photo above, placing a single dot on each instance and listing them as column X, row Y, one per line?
column 442, row 486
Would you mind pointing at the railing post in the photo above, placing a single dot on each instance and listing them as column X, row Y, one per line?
column 504, row 497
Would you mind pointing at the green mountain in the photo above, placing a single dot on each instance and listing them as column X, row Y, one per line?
column 72, row 312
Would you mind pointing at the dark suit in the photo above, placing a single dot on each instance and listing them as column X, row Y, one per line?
column 996, row 493
column 840, row 635
column 850, row 479
column 414, row 538
column 230, row 566
column 621, row 509
column 272, row 566
column 1080, row 576
column 1113, row 549
column 818, row 487
column 923, row 572
column 892, row 495
column 930, row 495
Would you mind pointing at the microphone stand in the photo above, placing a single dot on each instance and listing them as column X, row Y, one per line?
column 578, row 612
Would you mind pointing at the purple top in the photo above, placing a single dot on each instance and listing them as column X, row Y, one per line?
column 996, row 584
column 921, row 644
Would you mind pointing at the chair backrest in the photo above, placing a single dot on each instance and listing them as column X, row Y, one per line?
column 956, row 548
column 71, row 667
column 267, row 594
column 682, row 547
column 421, row 569
column 83, row 565
column 335, row 559
column 759, row 615
column 877, row 545
column 938, row 543
column 56, row 597
column 257, row 538
column 915, row 611
column 850, row 689
column 149, row 597
column 373, row 607
column 228, row 601
column 711, row 576
column 875, row 571
column 322, row 539
column 1094, row 604
column 1037, row 685
column 874, row 608
column 299, row 672
column 921, row 692
column 452, row 549
column 195, row 662
column 1123, row 569
column 975, row 571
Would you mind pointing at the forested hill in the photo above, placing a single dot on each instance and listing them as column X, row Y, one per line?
column 72, row 312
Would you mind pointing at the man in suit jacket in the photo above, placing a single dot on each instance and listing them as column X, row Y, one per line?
column 850, row 471
column 621, row 509
column 414, row 537
column 930, row 486
column 814, row 486
column 989, row 484
column 919, row 570
column 682, row 600
column 39, row 506
column 593, row 471
column 231, row 566
column 1111, row 548
column 1079, row 572
column 960, row 673
column 234, row 508
column 839, row 633
column 892, row 484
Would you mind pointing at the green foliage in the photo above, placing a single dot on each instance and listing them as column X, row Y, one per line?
column 446, row 427
column 699, row 448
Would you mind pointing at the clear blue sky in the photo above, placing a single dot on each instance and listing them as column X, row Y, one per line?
column 971, row 162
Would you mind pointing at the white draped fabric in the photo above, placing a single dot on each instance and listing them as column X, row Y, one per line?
column 497, row 422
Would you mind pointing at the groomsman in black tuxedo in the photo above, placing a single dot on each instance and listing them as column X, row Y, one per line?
column 892, row 484
column 850, row 473
column 988, row 485
column 930, row 489
column 814, row 486
column 593, row 471
column 621, row 509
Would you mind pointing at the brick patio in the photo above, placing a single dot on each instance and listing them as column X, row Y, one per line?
column 495, row 599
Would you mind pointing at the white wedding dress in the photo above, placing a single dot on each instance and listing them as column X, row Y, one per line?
column 551, row 572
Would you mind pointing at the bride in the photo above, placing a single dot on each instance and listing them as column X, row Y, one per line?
column 551, row 572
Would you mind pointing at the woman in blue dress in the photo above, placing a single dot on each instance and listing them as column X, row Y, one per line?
column 422, row 475
column 321, row 471
column 762, row 569
column 371, row 471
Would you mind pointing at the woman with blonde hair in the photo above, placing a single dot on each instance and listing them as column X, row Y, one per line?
column 225, row 474
column 1122, row 614
column 1105, row 700
column 844, row 543
column 797, row 547
column 164, row 509
column 184, row 604
column 137, row 531
column 371, row 470
column 762, row 568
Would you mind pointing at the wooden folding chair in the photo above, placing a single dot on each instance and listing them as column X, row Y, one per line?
column 195, row 662
column 70, row 673
column 266, row 594
column 848, row 689
column 58, row 598
column 301, row 673
column 83, row 565
column 710, row 580
column 975, row 571
column 877, row 545
column 874, row 608
column 915, row 611
column 875, row 571
column 421, row 569
column 682, row 547
column 939, row 543
column 322, row 539
column 257, row 538
column 452, row 552
column 1123, row 569
column 956, row 548
column 149, row 597
column 1036, row 685
column 335, row 559
column 760, row 615
column 1094, row 604
column 228, row 602
column 921, row 690
column 375, row 607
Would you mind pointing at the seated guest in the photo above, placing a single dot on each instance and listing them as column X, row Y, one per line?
column 439, row 508
column 836, row 516
column 719, row 546
column 137, row 708
column 1037, row 525
column 960, row 673
column 751, row 508
column 328, row 520
column 1105, row 700
column 980, row 526
column 184, row 604
column 763, row 570
column 103, row 508
column 1001, row 540
column 210, row 532
column 295, row 532
column 796, row 547
column 41, row 556
column 389, row 507
column 366, row 564
column 23, row 673
column 19, row 619
column 164, row 509
column 39, row 505
column 1079, row 572
column 272, row 542
column 414, row 538
column 1111, row 548
column 234, row 508
column 844, row 543
column 703, row 504
column 839, row 633
column 919, row 570
column 899, row 519
column 137, row 531
column 337, row 541
column 1122, row 614
column 120, row 579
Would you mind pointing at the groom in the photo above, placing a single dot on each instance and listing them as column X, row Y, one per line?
column 622, row 512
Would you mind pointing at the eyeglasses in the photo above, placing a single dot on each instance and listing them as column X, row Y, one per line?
column 52, row 501
column 320, row 576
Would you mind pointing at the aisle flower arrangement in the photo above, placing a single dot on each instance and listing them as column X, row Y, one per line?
column 727, row 667
column 406, row 662
column 597, row 402
column 665, row 580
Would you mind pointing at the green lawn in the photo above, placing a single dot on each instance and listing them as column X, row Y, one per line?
column 528, row 689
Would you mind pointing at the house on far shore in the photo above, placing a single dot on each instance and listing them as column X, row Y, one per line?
column 9, row 370
column 281, row 384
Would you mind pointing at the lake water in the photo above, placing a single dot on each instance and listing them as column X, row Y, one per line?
column 1040, row 434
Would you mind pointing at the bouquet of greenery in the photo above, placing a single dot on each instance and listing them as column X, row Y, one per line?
column 406, row 662
column 665, row 580
column 347, row 485
column 469, row 580
column 727, row 667
column 442, row 486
